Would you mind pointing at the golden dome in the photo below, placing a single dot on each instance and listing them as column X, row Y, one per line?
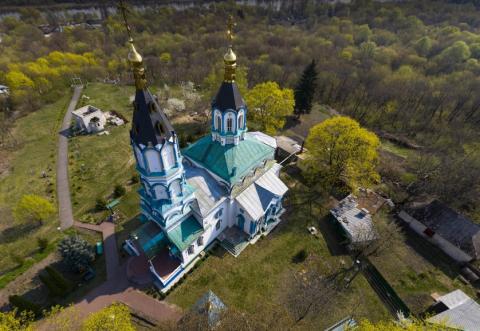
column 230, row 56
column 133, row 55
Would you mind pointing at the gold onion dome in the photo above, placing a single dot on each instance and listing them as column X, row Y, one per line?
column 133, row 55
column 230, row 56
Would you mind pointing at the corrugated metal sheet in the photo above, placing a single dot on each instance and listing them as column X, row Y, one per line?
column 454, row 299
column 256, row 198
column 464, row 316
column 356, row 222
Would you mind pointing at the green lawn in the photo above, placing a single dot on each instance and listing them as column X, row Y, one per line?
column 410, row 271
column 396, row 149
column 258, row 276
column 36, row 135
column 98, row 163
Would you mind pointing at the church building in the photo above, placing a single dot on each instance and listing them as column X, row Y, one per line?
column 223, row 188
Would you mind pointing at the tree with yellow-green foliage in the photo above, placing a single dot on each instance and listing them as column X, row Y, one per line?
column 269, row 105
column 11, row 321
column 341, row 151
column 404, row 325
column 112, row 318
column 33, row 208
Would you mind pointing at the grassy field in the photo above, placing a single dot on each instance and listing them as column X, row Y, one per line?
column 416, row 269
column 98, row 163
column 257, row 278
column 36, row 136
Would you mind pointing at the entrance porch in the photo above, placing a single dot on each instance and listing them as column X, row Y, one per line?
column 234, row 240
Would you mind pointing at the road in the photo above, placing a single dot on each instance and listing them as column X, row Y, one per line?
column 63, row 186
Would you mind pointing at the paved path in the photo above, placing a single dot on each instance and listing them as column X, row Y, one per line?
column 63, row 186
column 117, row 288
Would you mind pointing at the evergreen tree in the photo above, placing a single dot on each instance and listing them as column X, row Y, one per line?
column 305, row 89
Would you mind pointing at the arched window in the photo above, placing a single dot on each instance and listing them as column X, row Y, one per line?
column 240, row 121
column 153, row 159
column 159, row 128
column 168, row 156
column 229, row 124
column 218, row 124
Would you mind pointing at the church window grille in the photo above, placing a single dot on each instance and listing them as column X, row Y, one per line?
column 219, row 213
column 229, row 124
column 152, row 107
column 200, row 241
column 191, row 249
column 217, row 226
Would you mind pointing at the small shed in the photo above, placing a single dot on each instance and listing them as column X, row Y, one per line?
column 455, row 234
column 457, row 310
column 287, row 148
column 89, row 119
column 356, row 222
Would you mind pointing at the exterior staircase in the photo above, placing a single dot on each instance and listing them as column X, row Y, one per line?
column 233, row 240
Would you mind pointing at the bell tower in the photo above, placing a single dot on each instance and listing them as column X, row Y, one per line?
column 165, row 195
column 229, row 112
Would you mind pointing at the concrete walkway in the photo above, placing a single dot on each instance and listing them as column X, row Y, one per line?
column 117, row 288
column 63, row 186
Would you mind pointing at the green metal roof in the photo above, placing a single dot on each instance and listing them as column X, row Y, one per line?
column 229, row 162
column 185, row 233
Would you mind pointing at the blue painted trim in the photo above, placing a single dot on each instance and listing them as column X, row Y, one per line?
column 174, row 277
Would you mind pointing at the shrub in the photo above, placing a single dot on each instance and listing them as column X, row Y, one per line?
column 300, row 256
column 100, row 204
column 53, row 289
column 59, row 279
column 77, row 254
column 19, row 260
column 118, row 191
column 42, row 244
column 23, row 304
column 135, row 178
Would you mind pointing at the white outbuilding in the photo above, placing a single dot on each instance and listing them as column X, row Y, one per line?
column 89, row 119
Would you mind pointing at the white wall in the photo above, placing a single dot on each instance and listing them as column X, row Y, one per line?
column 448, row 248
column 153, row 160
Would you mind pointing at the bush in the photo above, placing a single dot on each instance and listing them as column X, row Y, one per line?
column 77, row 253
column 53, row 289
column 118, row 191
column 42, row 244
column 300, row 256
column 59, row 279
column 100, row 204
column 19, row 260
column 135, row 179
column 23, row 304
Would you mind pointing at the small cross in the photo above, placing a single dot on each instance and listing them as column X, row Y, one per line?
column 230, row 25
column 123, row 8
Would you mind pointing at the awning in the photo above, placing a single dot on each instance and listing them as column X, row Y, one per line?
column 257, row 197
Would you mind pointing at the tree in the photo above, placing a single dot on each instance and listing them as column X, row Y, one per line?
column 305, row 89
column 25, row 305
column 269, row 105
column 118, row 191
column 342, row 152
column 13, row 321
column 411, row 324
column 33, row 208
column 112, row 318
column 76, row 252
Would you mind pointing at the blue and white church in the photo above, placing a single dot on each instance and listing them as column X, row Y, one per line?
column 223, row 188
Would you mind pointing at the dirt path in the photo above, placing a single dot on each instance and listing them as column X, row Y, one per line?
column 63, row 186
column 27, row 280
